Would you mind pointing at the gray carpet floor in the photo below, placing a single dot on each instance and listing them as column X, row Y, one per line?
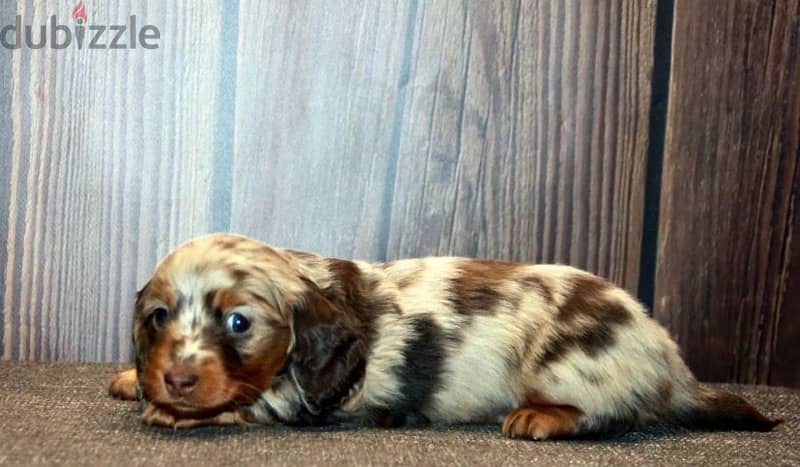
column 61, row 414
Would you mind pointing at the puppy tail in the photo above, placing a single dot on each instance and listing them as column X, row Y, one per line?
column 714, row 409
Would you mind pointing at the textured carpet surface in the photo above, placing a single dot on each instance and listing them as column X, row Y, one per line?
column 61, row 414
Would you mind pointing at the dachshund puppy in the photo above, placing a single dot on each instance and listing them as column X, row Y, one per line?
column 232, row 331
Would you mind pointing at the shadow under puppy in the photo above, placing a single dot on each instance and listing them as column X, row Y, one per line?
column 232, row 331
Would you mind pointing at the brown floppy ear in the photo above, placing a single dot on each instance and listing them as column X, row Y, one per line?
column 329, row 352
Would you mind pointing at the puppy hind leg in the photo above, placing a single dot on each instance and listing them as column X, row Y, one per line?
column 540, row 420
column 543, row 421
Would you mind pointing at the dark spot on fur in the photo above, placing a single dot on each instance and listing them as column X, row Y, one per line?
column 468, row 300
column 475, row 289
column 536, row 283
column 586, row 300
column 348, row 280
column 420, row 375
column 229, row 243
column 208, row 301
column 356, row 293
column 596, row 331
column 594, row 339
column 554, row 350
column 240, row 274
column 591, row 340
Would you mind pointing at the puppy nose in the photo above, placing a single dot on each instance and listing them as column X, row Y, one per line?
column 180, row 381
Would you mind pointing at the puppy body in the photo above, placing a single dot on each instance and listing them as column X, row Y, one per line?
column 468, row 340
column 548, row 350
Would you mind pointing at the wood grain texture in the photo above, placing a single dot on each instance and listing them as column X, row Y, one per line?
column 784, row 368
column 362, row 129
column 317, row 95
column 8, row 11
column 527, row 134
column 731, row 155
column 317, row 125
column 110, row 165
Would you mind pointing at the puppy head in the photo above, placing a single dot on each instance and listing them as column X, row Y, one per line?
column 213, row 325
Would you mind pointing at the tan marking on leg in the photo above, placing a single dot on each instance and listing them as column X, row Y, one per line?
column 123, row 386
column 542, row 422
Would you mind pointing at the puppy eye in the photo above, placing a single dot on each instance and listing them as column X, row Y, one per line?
column 237, row 323
column 159, row 316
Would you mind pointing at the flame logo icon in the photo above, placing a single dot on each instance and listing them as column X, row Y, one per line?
column 79, row 13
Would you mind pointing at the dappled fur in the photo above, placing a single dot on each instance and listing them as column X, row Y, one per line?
column 550, row 351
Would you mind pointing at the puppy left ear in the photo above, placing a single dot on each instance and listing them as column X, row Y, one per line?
column 328, row 355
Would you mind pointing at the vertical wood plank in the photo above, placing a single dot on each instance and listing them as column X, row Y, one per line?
column 527, row 134
column 784, row 368
column 8, row 11
column 317, row 95
column 110, row 166
column 731, row 152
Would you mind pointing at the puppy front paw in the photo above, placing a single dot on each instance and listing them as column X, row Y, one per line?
column 124, row 385
column 154, row 416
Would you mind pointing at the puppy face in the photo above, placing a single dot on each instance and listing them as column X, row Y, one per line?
column 212, row 326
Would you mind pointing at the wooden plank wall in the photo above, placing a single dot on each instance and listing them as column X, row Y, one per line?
column 359, row 129
column 318, row 88
column 377, row 130
column 526, row 134
column 429, row 128
column 729, row 186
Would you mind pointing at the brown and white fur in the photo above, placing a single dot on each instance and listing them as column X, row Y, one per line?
column 548, row 351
